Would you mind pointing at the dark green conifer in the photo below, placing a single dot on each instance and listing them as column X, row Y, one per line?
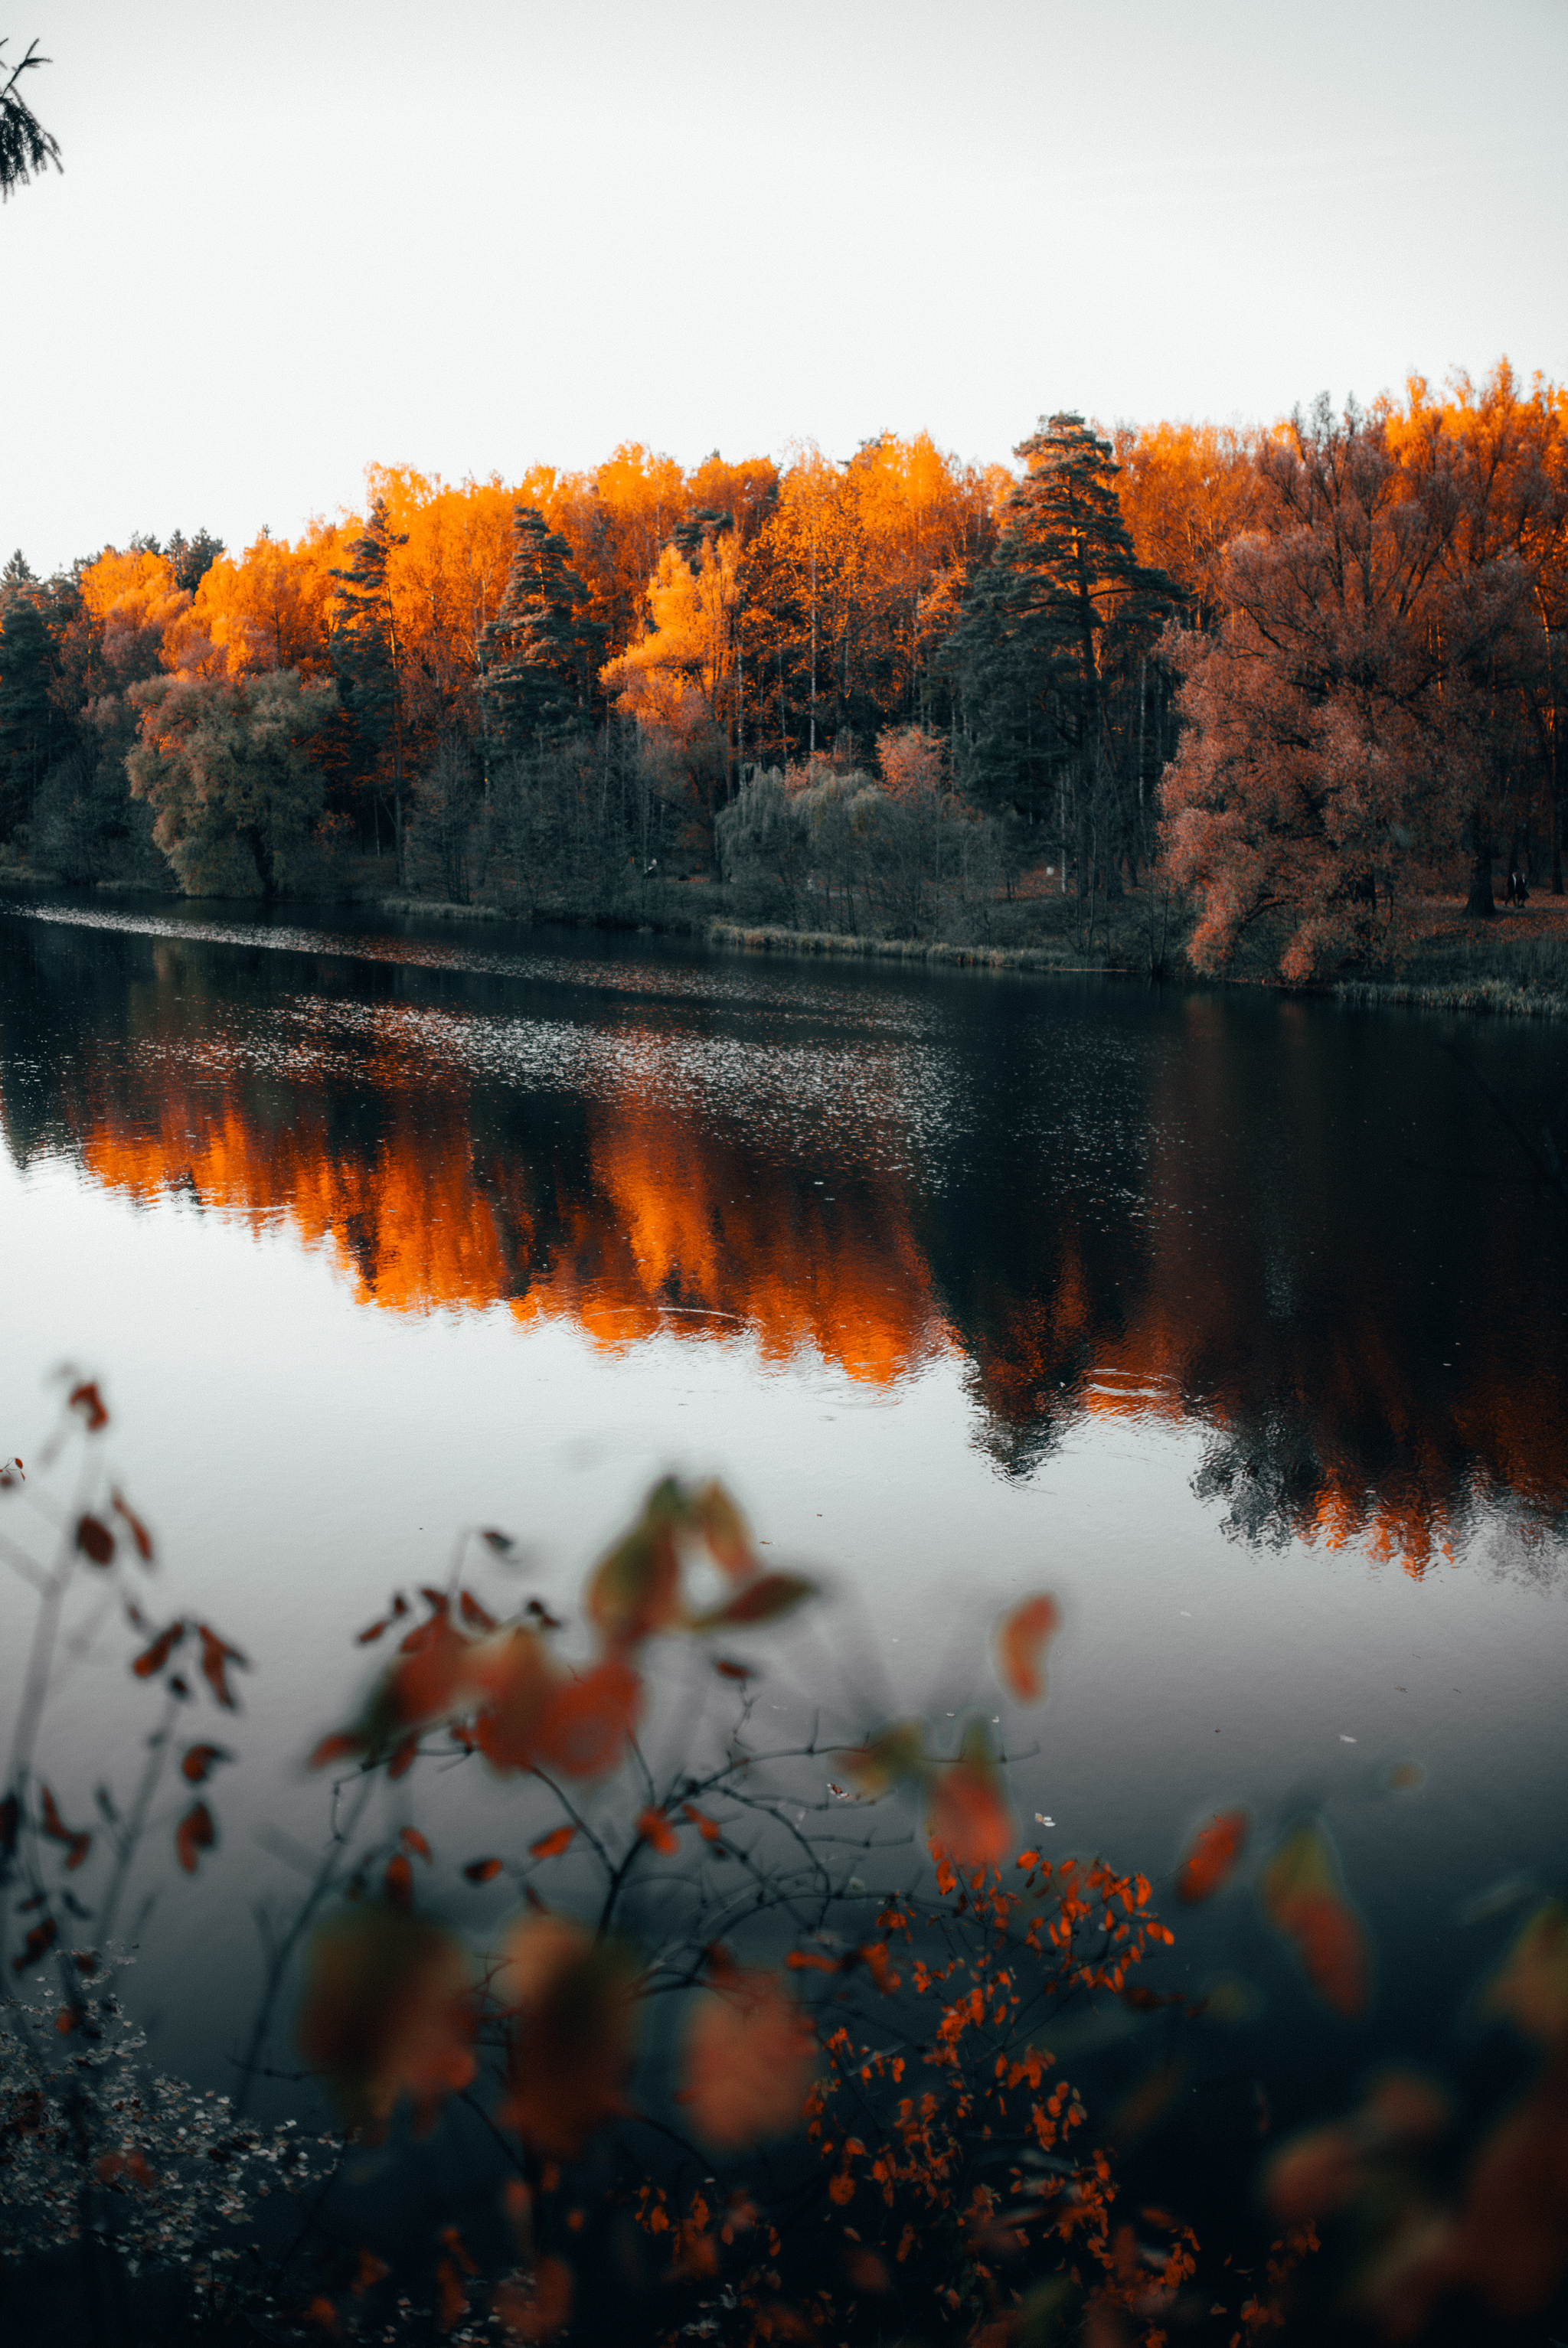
column 540, row 653
column 31, row 728
column 366, row 660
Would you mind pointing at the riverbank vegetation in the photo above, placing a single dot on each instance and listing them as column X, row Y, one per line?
column 1245, row 702
column 746, row 2020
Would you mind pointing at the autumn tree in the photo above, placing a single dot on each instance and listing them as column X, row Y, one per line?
column 1339, row 722
column 225, row 765
column 680, row 682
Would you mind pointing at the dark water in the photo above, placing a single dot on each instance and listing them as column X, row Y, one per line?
column 1238, row 1323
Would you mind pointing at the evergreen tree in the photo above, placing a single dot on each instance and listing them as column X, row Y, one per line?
column 192, row 558
column 541, row 652
column 19, row 572
column 32, row 729
column 1049, row 624
column 367, row 661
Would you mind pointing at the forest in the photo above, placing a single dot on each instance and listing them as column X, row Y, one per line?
column 1294, row 681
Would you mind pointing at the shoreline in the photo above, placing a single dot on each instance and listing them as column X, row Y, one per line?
column 1487, row 995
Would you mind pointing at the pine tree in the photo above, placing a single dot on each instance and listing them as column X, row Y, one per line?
column 368, row 659
column 1049, row 624
column 541, row 652
column 192, row 558
column 31, row 730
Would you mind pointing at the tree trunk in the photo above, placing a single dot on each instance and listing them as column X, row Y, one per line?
column 1481, row 899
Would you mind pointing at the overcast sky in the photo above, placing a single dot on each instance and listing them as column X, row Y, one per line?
column 293, row 239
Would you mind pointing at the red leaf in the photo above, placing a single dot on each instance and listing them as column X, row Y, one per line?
column 1022, row 1638
column 114, row 2164
column 708, row 1827
column 10, row 1475
column 193, row 1835
column 762, row 1600
column 40, row 1937
column 133, row 1525
column 412, row 1839
column 728, row 1671
column 494, row 1539
column 749, row 2055
column 584, row 1727
column 153, row 1659
column 341, row 1747
column 95, row 1540
column 87, row 1399
column 968, row 1819
column 1303, row 1898
column 201, row 1761
column 386, row 2014
column 1210, row 1857
column 655, row 1828
column 216, row 1656
column 572, row 2000
column 482, row 1870
column 472, row 1612
column 403, row 1760
column 552, row 1845
column 398, row 1882
column 56, row 1829
column 370, row 2271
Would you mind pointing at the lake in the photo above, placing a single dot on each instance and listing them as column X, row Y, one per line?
column 1238, row 1322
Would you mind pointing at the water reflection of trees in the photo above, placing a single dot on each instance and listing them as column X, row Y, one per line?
column 1368, row 1356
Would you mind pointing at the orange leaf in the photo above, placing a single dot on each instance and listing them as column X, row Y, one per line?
column 194, row 1834
column 413, row 1841
column 95, row 1540
column 657, row 1829
column 572, row 2000
column 398, row 1882
column 1210, row 1858
column 386, row 2014
column 40, row 1937
column 708, row 1827
column 728, row 1671
column 133, row 1525
column 1022, row 1638
column 216, row 1656
column 201, row 1761
column 482, row 1870
column 583, row 1728
column 472, row 1612
column 87, row 1399
column 153, row 1659
column 1303, row 1898
column 765, row 1600
column 370, row 2271
column 537, row 2314
column 726, row 1531
column 750, row 2053
column 967, row 1818
column 56, row 1829
column 552, row 1845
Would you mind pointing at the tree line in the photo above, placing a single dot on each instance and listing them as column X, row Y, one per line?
column 1300, row 675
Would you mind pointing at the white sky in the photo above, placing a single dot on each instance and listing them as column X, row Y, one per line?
column 293, row 239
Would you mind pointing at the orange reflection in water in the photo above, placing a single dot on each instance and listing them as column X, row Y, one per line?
column 638, row 1220
column 655, row 1229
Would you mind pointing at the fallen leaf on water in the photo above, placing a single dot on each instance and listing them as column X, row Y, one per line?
column 1022, row 1638
column 1210, row 1858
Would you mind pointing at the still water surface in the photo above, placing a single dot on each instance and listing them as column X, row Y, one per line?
column 1238, row 1323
